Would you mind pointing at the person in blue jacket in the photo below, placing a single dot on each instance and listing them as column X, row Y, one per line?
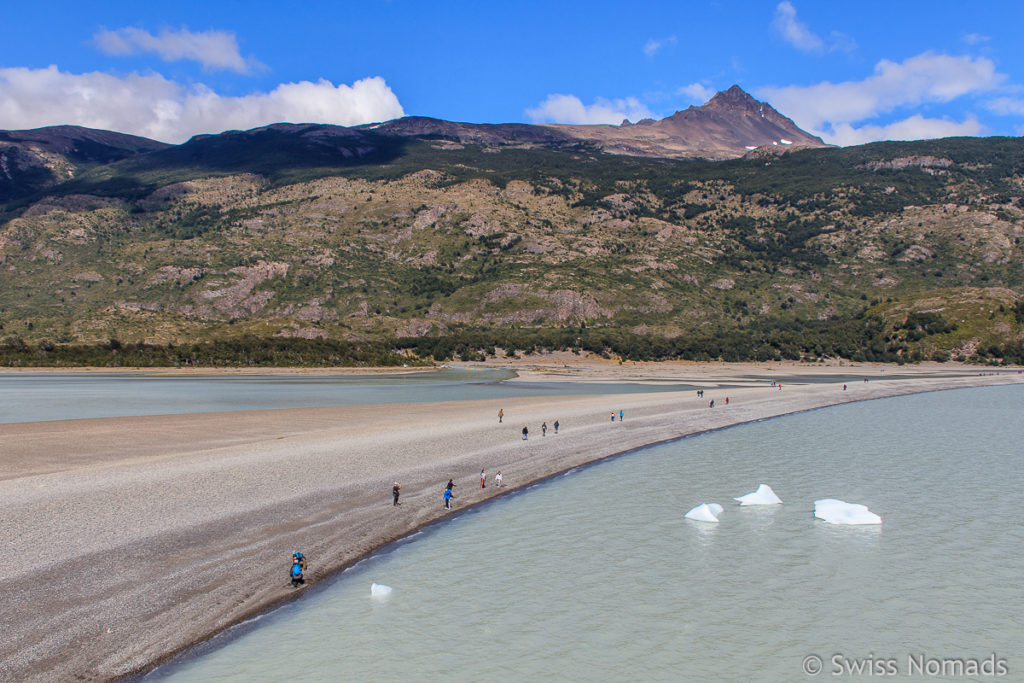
column 298, row 566
column 448, row 495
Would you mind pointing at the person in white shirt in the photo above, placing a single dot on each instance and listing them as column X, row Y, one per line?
column 497, row 478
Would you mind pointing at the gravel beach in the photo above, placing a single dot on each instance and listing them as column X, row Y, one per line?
column 126, row 540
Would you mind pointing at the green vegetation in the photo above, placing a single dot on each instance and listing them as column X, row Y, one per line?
column 865, row 337
column 235, row 353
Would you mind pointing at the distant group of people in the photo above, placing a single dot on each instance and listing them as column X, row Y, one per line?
column 526, row 430
column 449, row 494
column 483, row 479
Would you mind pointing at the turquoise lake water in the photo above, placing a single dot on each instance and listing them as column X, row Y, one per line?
column 595, row 575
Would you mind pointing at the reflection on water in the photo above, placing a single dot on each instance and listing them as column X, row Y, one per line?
column 597, row 576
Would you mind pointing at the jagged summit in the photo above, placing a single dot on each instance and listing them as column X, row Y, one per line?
column 733, row 98
column 729, row 125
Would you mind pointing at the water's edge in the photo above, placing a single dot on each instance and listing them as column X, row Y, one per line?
column 248, row 620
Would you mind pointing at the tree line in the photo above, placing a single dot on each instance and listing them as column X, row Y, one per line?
column 862, row 337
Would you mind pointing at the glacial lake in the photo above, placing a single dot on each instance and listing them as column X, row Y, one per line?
column 595, row 574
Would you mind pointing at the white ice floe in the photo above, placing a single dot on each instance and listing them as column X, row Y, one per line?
column 762, row 496
column 705, row 512
column 837, row 512
column 379, row 590
column 785, row 141
column 751, row 147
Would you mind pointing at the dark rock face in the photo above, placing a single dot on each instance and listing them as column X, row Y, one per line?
column 480, row 133
column 32, row 160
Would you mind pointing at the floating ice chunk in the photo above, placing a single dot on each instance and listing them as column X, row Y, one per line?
column 705, row 512
column 785, row 141
column 837, row 512
column 379, row 590
column 762, row 496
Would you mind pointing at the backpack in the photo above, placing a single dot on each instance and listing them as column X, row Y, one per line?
column 296, row 570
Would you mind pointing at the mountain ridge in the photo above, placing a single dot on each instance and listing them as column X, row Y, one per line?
column 454, row 236
column 729, row 125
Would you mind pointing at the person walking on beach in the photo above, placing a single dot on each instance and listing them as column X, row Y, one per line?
column 497, row 478
column 711, row 404
column 726, row 400
column 394, row 491
column 556, row 426
column 501, row 414
column 525, row 433
column 613, row 416
column 451, row 483
column 483, row 479
column 621, row 415
column 544, row 429
column 448, row 495
column 298, row 566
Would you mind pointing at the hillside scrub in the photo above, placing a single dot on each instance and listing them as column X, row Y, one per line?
column 455, row 249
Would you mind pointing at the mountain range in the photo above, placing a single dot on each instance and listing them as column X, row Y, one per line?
column 723, row 223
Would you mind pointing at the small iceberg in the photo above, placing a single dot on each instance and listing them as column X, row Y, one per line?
column 837, row 512
column 762, row 496
column 379, row 590
column 705, row 512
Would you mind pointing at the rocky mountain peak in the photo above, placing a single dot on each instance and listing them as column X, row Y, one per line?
column 733, row 98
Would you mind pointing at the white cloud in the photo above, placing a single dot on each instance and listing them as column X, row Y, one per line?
column 797, row 34
column 652, row 46
column 216, row 50
column 793, row 31
column 697, row 92
column 570, row 109
column 825, row 107
column 1007, row 106
column 162, row 109
column 840, row 42
column 975, row 38
column 915, row 127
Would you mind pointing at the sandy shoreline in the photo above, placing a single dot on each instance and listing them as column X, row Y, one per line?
column 129, row 539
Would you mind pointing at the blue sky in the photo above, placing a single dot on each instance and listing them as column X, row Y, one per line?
column 851, row 72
